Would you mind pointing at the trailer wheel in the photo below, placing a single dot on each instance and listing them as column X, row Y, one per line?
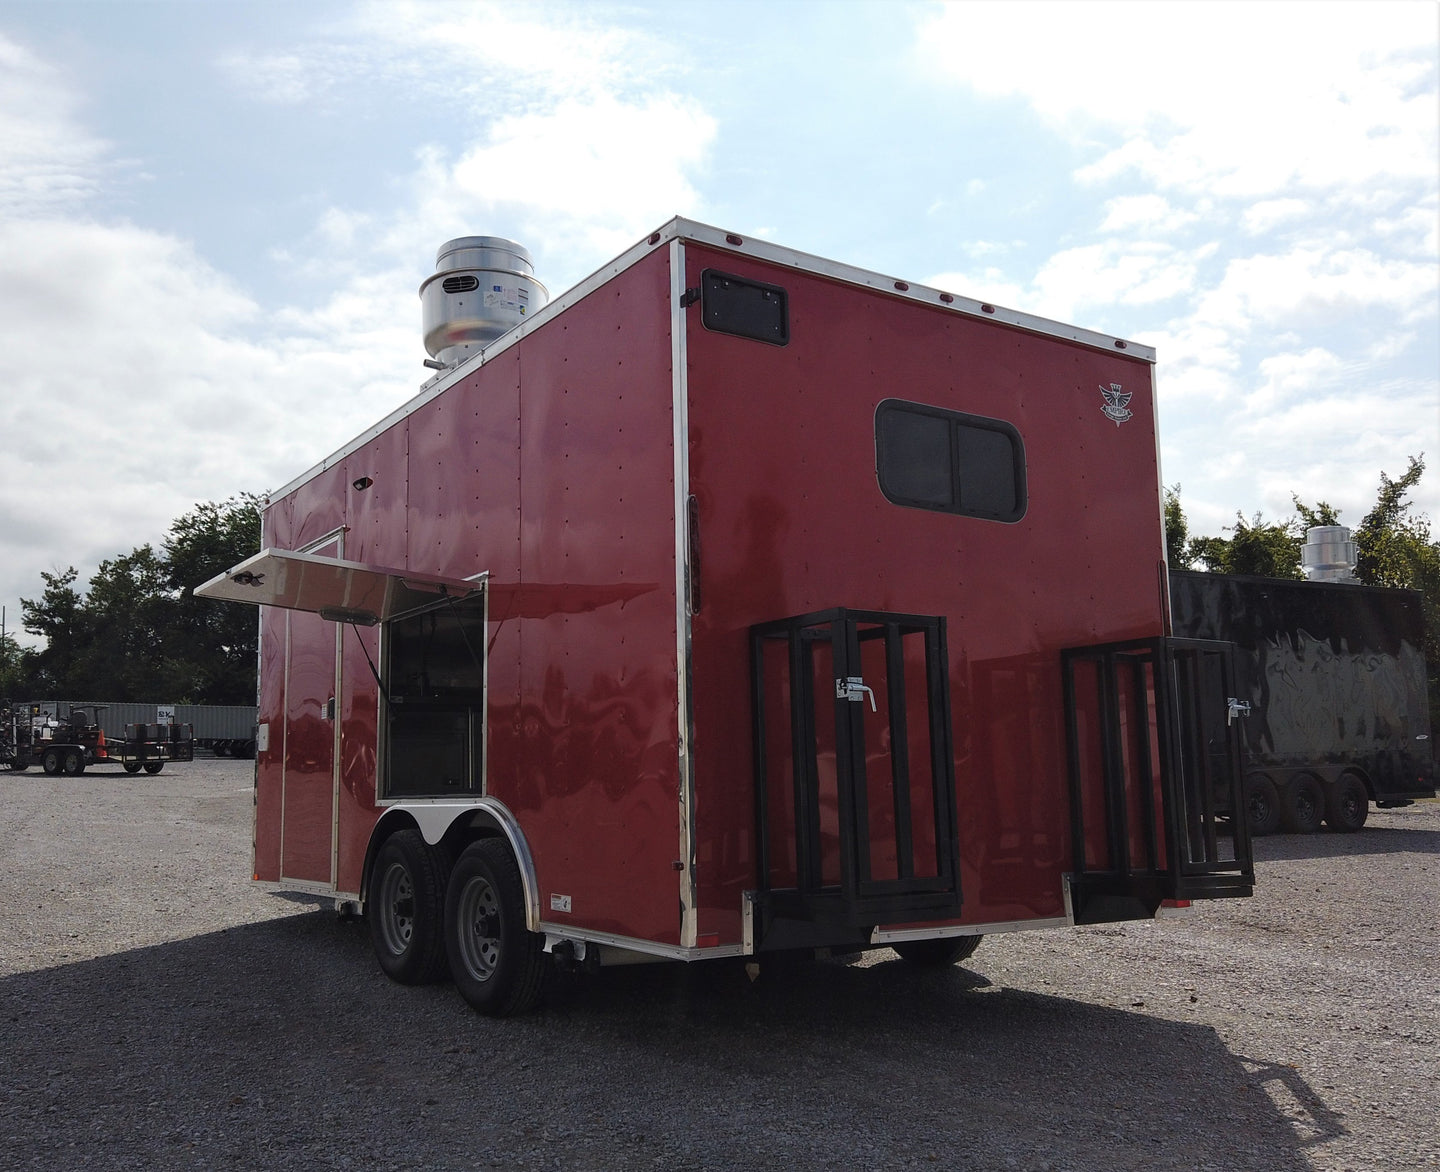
column 1304, row 805
column 154, row 766
column 497, row 963
column 405, row 906
column 937, row 954
column 1263, row 801
column 72, row 764
column 1347, row 804
column 50, row 762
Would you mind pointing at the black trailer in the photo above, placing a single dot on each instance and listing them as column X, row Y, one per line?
column 1334, row 675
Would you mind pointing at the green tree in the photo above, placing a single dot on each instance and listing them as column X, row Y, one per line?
column 14, row 669
column 220, row 638
column 1270, row 549
column 1177, row 530
column 138, row 632
column 59, row 617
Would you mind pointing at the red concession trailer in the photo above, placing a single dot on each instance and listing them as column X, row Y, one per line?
column 737, row 602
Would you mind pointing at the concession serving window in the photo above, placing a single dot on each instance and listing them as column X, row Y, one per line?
column 431, row 674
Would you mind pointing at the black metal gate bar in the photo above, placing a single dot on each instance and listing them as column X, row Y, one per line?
column 1143, row 751
column 858, row 898
column 897, row 700
column 1194, row 797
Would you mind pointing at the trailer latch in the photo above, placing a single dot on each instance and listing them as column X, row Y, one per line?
column 853, row 688
column 1235, row 708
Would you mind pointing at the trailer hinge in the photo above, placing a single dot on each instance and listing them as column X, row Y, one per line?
column 1234, row 708
column 689, row 297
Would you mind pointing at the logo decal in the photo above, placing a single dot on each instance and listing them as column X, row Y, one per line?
column 1117, row 403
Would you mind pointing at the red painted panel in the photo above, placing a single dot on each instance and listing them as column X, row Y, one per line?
column 359, row 742
column 309, row 781
column 318, row 507
column 464, row 468
column 782, row 460
column 268, row 764
column 597, row 792
column 376, row 513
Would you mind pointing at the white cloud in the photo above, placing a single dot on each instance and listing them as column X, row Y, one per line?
column 1336, row 99
column 1149, row 212
column 1312, row 286
column 1262, row 217
column 587, row 175
column 46, row 159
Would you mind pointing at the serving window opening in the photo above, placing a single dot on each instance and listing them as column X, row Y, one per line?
column 433, row 700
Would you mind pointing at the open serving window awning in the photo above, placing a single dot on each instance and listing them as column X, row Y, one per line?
column 341, row 591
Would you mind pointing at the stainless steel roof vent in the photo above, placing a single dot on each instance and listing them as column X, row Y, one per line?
column 1328, row 554
column 482, row 287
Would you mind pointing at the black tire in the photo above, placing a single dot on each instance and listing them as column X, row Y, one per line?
column 1263, row 802
column 405, row 906
column 50, row 762
column 132, row 766
column 72, row 762
column 497, row 963
column 937, row 954
column 1347, row 804
column 154, row 766
column 1303, row 808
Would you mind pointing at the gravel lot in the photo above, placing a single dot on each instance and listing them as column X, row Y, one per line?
column 158, row 1011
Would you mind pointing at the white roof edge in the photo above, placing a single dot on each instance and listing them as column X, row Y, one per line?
column 683, row 229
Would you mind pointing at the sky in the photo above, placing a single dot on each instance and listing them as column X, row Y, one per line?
column 215, row 216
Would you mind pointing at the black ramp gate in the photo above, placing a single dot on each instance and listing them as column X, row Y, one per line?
column 854, row 775
column 1157, row 804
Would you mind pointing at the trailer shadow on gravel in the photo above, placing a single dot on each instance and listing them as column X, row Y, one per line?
column 279, row 1044
column 1372, row 840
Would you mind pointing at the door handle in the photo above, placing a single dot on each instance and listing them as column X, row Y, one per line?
column 854, row 688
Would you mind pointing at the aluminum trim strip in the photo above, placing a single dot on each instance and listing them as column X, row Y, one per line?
column 683, row 229
column 633, row 944
column 680, row 418
column 883, row 935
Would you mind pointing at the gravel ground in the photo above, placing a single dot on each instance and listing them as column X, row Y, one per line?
column 158, row 1011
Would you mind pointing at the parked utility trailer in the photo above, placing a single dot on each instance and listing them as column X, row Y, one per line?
column 736, row 602
column 70, row 744
column 228, row 730
column 1334, row 674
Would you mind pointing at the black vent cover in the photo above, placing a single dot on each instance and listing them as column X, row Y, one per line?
column 746, row 308
column 459, row 284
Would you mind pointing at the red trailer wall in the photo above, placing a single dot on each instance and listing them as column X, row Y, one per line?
column 792, row 520
column 551, row 467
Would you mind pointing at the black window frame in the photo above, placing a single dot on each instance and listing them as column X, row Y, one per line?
column 955, row 420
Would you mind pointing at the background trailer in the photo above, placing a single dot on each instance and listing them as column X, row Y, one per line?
column 1335, row 676
column 736, row 601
